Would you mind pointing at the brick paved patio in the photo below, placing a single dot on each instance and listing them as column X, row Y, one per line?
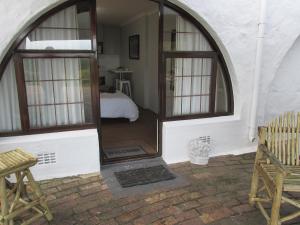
column 218, row 195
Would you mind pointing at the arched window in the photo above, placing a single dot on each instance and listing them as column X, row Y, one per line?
column 195, row 83
column 49, row 80
column 55, row 72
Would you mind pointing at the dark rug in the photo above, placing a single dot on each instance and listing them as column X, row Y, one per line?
column 142, row 176
column 119, row 152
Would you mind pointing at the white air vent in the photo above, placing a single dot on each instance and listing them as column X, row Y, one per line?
column 205, row 139
column 46, row 158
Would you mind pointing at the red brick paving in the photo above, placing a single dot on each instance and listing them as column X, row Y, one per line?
column 217, row 195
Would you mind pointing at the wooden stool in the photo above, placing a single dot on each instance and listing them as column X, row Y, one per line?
column 18, row 162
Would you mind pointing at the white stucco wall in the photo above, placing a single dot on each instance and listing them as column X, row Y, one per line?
column 284, row 90
column 282, row 30
column 233, row 24
column 76, row 152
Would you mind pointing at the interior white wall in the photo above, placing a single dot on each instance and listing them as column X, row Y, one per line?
column 145, row 69
column 110, row 59
column 136, row 65
column 108, row 62
column 77, row 152
column 151, row 71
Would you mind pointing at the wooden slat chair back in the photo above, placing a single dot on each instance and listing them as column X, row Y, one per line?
column 13, row 203
column 277, row 168
column 283, row 138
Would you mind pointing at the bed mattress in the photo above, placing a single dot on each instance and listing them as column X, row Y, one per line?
column 118, row 105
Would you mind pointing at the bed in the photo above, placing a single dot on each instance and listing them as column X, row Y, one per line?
column 118, row 105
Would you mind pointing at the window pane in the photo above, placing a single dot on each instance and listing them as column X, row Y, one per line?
column 188, row 84
column 37, row 69
column 62, row 114
column 74, row 91
column 182, row 35
column 67, row 29
column 41, row 116
column 76, row 113
column 221, row 104
column 48, row 116
column 34, row 116
column 46, row 92
column 196, row 83
column 195, row 104
column 62, row 96
column 73, row 71
column 60, row 91
column 9, row 102
column 58, row 69
column 204, row 107
column 32, row 93
column 186, row 105
column 205, row 87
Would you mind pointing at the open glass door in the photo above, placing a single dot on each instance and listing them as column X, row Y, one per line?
column 128, row 66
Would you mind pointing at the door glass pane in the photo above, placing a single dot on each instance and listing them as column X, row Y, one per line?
column 67, row 29
column 188, row 84
column 55, row 98
column 182, row 35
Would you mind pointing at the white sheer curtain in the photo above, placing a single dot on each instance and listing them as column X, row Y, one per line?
column 59, row 31
column 221, row 102
column 9, row 103
column 189, row 38
column 54, row 89
column 192, row 75
column 54, row 92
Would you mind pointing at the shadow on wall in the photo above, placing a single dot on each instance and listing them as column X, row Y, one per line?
column 284, row 91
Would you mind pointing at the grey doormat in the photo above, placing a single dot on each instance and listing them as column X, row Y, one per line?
column 142, row 176
column 118, row 152
column 109, row 178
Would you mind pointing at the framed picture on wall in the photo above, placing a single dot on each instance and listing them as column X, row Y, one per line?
column 134, row 46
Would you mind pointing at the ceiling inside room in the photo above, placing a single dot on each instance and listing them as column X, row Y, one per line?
column 118, row 12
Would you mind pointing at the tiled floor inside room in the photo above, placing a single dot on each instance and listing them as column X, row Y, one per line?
column 120, row 133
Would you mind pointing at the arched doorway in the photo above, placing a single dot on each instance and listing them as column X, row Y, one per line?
column 54, row 77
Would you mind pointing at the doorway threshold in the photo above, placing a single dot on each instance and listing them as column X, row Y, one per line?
column 107, row 161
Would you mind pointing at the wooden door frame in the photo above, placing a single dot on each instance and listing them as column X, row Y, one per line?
column 160, row 91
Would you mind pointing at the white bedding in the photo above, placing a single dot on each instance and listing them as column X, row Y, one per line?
column 118, row 105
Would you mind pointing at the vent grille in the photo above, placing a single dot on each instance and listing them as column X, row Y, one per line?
column 205, row 139
column 46, row 158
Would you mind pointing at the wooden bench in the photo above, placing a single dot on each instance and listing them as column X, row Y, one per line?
column 277, row 168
